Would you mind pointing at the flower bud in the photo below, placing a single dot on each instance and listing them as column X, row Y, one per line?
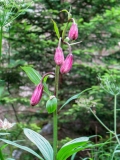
column 51, row 104
column 73, row 32
column 37, row 94
column 59, row 56
column 67, row 65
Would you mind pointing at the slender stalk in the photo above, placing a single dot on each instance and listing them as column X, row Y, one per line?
column 64, row 31
column 55, row 127
column 110, row 139
column 55, row 134
column 1, row 32
column 1, row 155
column 115, row 118
column 9, row 146
column 101, row 122
column 15, row 112
column 115, row 113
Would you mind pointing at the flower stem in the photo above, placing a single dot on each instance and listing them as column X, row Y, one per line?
column 115, row 118
column 101, row 122
column 115, row 113
column 1, row 32
column 55, row 127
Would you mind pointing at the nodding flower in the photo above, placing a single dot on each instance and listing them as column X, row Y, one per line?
column 67, row 65
column 59, row 56
column 73, row 32
column 37, row 94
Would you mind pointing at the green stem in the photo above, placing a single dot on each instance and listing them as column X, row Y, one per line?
column 115, row 118
column 55, row 127
column 55, row 134
column 1, row 32
column 115, row 113
column 64, row 31
column 101, row 122
column 110, row 139
column 9, row 146
column 1, row 155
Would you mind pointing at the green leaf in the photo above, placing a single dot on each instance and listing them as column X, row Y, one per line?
column 10, row 159
column 73, row 156
column 117, row 151
column 68, row 13
column 3, row 146
column 3, row 134
column 16, row 63
column 65, row 10
column 74, row 97
column 42, row 144
column 56, row 29
column 46, row 89
column 72, row 147
column 22, row 147
column 33, row 75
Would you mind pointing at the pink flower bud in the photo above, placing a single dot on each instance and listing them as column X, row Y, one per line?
column 73, row 32
column 67, row 65
column 59, row 56
column 37, row 94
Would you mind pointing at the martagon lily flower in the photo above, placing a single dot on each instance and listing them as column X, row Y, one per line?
column 59, row 56
column 37, row 94
column 73, row 32
column 67, row 65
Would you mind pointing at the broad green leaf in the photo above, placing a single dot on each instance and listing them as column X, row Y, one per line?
column 74, row 97
column 72, row 147
column 22, row 147
column 3, row 134
column 16, row 63
column 42, row 144
column 73, row 156
column 33, row 75
column 81, row 139
column 56, row 29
